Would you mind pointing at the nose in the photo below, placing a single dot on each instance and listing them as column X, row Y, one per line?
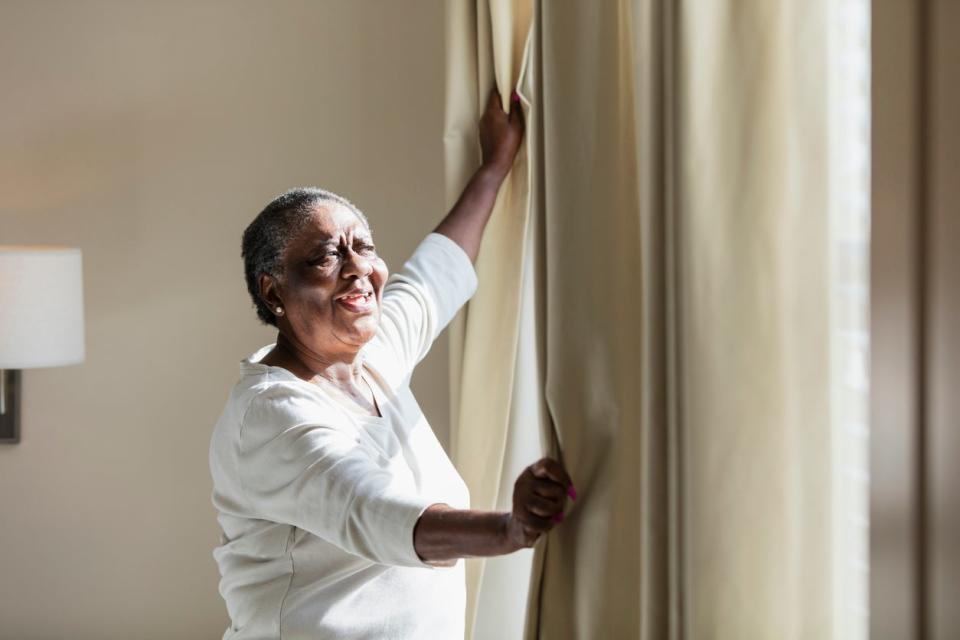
column 356, row 264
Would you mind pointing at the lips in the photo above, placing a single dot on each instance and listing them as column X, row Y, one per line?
column 358, row 300
column 355, row 292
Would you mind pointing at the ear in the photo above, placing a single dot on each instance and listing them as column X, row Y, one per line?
column 269, row 292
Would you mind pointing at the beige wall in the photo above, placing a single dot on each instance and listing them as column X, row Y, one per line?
column 149, row 135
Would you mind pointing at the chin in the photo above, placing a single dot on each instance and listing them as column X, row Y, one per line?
column 364, row 330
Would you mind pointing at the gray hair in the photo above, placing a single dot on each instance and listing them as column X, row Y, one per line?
column 265, row 240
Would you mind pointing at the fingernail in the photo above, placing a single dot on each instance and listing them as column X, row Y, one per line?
column 558, row 518
column 572, row 493
column 515, row 97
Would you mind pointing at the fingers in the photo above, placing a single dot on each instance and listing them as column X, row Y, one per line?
column 534, row 526
column 532, row 522
column 539, row 498
column 532, row 517
column 543, row 507
column 549, row 489
column 495, row 104
column 548, row 496
column 493, row 100
column 516, row 110
column 550, row 469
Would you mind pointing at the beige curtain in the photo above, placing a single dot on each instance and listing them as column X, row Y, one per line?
column 677, row 262
column 496, row 399
column 754, row 298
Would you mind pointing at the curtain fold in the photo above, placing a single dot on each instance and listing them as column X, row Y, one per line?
column 672, row 207
column 485, row 48
column 609, row 570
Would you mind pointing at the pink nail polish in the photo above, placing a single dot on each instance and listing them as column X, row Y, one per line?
column 558, row 518
column 515, row 97
column 572, row 493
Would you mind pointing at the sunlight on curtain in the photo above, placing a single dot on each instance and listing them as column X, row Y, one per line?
column 495, row 397
column 849, row 115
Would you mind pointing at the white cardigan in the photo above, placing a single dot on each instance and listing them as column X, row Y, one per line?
column 317, row 505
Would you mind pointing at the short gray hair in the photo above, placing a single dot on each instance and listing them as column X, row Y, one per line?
column 271, row 231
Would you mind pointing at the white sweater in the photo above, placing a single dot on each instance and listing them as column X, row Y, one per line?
column 317, row 505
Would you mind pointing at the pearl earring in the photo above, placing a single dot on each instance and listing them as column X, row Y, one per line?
column 279, row 311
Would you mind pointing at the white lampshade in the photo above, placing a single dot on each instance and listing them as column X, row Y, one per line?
column 41, row 307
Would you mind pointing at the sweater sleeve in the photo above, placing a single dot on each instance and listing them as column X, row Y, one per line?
column 420, row 299
column 296, row 467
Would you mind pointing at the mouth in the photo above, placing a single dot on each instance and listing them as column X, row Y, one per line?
column 357, row 302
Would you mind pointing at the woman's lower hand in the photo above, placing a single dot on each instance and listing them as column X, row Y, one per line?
column 443, row 534
column 539, row 496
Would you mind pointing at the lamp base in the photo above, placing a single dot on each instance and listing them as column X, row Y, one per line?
column 9, row 406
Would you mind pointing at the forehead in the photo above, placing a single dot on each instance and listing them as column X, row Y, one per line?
column 331, row 220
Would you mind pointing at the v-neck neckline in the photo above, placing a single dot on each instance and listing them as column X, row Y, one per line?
column 372, row 381
column 377, row 400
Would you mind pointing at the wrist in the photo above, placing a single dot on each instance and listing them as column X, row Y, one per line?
column 508, row 541
column 493, row 172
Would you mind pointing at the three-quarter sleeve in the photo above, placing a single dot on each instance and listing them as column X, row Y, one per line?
column 297, row 467
column 420, row 299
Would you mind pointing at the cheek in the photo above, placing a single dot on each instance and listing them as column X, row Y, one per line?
column 312, row 295
column 381, row 273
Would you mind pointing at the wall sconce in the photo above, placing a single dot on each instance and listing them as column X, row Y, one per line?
column 41, row 319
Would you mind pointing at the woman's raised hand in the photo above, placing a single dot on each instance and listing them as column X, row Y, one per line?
column 539, row 496
column 500, row 132
column 500, row 136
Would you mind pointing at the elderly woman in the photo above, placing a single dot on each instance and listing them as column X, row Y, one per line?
column 341, row 515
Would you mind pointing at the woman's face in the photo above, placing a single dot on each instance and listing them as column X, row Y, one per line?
column 332, row 283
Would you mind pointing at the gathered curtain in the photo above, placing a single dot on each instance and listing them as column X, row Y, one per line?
column 494, row 430
column 654, row 310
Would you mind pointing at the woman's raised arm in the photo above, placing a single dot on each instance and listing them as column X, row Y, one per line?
column 500, row 135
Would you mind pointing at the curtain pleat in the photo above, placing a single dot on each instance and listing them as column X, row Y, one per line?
column 606, row 572
column 485, row 45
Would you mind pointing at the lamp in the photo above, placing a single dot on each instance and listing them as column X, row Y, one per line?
column 41, row 319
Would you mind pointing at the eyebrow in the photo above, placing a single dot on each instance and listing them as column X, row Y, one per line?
column 361, row 237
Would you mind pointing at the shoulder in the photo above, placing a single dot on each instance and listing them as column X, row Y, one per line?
column 276, row 406
column 378, row 355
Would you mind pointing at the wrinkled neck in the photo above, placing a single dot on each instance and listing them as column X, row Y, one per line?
column 342, row 369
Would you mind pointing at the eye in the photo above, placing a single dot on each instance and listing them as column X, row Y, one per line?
column 325, row 258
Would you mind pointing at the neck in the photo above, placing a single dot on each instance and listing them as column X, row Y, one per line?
column 341, row 369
